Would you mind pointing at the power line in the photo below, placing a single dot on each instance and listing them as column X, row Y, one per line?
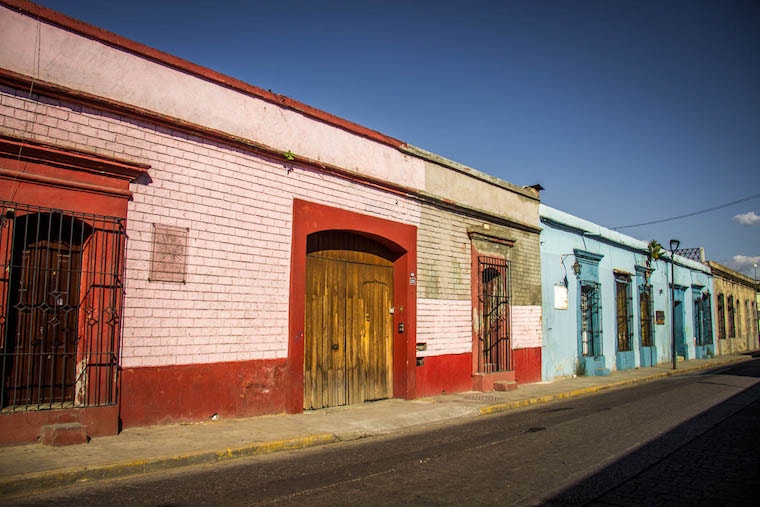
column 707, row 210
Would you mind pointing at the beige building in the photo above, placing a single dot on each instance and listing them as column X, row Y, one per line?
column 735, row 310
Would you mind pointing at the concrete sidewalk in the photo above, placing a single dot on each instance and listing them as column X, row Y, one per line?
column 33, row 467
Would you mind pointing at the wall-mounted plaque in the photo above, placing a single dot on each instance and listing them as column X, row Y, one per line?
column 169, row 259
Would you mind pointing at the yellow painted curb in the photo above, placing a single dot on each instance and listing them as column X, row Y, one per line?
column 40, row 481
column 501, row 407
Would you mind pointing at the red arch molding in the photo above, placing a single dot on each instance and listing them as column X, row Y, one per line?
column 308, row 218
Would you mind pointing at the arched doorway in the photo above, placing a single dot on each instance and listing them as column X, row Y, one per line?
column 348, row 338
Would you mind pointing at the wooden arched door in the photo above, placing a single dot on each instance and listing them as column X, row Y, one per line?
column 348, row 355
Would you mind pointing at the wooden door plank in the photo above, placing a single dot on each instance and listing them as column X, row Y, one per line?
column 348, row 334
column 335, row 338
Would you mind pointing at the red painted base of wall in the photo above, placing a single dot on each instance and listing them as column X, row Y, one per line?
column 527, row 364
column 26, row 427
column 169, row 394
column 444, row 374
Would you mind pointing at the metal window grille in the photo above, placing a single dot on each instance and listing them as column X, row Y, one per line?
column 703, row 320
column 731, row 318
column 591, row 319
column 747, row 317
column 494, row 336
column 61, row 293
column 624, row 314
column 645, row 314
column 721, row 318
column 707, row 324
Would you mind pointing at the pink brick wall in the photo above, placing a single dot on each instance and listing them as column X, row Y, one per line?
column 237, row 207
column 526, row 327
column 445, row 325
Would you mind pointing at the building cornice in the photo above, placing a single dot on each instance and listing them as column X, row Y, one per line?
column 726, row 272
column 20, row 81
column 98, row 34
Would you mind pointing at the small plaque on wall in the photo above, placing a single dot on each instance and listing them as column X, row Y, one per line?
column 659, row 317
column 560, row 297
column 169, row 256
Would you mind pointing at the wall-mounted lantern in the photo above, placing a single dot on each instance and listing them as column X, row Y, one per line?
column 577, row 268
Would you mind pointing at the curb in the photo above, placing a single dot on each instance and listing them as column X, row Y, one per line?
column 40, row 481
column 501, row 407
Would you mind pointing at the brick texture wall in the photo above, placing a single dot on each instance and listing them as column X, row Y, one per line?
column 237, row 207
column 444, row 264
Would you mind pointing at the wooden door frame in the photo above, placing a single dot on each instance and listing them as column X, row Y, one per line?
column 401, row 238
column 58, row 177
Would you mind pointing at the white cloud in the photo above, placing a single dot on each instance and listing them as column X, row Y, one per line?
column 745, row 264
column 749, row 218
column 743, row 261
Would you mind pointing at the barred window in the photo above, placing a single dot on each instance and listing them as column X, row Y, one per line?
column 703, row 319
column 624, row 313
column 60, row 307
column 493, row 300
column 645, row 315
column 591, row 319
column 731, row 318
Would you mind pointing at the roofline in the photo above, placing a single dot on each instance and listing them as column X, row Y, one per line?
column 468, row 171
column 734, row 275
column 587, row 229
column 90, row 31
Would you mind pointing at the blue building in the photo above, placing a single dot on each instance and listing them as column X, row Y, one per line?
column 607, row 300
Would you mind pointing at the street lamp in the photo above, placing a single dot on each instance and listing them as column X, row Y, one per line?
column 674, row 243
column 755, row 277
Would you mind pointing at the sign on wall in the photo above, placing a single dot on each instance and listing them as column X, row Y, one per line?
column 169, row 256
column 560, row 297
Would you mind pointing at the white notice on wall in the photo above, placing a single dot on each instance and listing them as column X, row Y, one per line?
column 560, row 297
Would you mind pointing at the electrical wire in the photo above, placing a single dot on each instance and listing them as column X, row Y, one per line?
column 693, row 213
column 29, row 129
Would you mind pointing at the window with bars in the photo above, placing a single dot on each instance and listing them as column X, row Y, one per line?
column 624, row 314
column 739, row 320
column 61, row 292
column 721, row 317
column 645, row 315
column 493, row 301
column 703, row 319
column 591, row 319
column 748, row 316
column 731, row 317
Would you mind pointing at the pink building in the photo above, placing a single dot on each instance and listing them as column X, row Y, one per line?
column 176, row 243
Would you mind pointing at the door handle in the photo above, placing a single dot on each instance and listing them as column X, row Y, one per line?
column 335, row 346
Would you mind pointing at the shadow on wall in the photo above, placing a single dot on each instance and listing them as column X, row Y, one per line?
column 712, row 458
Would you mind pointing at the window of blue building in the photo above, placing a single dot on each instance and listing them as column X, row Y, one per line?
column 624, row 314
column 591, row 320
column 591, row 358
column 703, row 323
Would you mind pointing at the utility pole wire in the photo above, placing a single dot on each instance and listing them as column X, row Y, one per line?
column 720, row 206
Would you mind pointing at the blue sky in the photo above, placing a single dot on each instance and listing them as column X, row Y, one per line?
column 626, row 112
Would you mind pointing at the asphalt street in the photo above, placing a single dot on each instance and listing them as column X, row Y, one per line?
column 689, row 439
